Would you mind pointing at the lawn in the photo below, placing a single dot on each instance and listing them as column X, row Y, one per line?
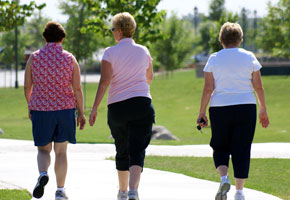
column 267, row 175
column 14, row 195
column 176, row 101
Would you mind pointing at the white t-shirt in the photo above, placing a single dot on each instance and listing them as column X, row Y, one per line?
column 130, row 62
column 232, row 71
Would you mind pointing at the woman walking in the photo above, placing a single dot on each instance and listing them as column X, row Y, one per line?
column 127, row 68
column 53, row 90
column 231, row 75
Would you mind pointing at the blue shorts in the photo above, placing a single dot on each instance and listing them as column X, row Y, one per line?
column 53, row 126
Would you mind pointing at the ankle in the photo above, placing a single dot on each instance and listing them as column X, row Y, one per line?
column 239, row 191
column 60, row 189
column 43, row 173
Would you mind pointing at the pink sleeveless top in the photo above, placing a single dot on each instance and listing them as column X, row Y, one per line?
column 52, row 69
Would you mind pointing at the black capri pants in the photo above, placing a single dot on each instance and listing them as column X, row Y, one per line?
column 233, row 129
column 131, row 122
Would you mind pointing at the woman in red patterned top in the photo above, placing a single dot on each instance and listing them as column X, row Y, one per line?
column 53, row 90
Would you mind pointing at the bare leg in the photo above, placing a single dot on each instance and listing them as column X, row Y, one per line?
column 60, row 166
column 43, row 157
column 239, row 183
column 222, row 170
column 123, row 180
column 135, row 174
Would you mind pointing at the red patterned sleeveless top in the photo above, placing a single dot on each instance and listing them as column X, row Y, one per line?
column 52, row 69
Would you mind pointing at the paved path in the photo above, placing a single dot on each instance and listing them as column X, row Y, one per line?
column 92, row 177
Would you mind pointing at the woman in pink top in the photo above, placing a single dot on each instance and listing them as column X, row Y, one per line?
column 127, row 68
column 53, row 90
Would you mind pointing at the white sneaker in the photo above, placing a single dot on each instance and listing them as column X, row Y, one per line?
column 239, row 196
column 133, row 195
column 223, row 189
column 60, row 195
column 122, row 195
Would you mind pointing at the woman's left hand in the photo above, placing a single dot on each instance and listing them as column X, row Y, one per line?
column 93, row 117
column 81, row 121
column 202, row 116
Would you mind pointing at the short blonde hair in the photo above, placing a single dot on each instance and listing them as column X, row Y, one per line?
column 231, row 34
column 125, row 22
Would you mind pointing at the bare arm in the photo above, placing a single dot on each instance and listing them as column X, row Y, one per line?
column 149, row 73
column 28, row 79
column 259, row 90
column 206, row 95
column 77, row 88
column 105, row 80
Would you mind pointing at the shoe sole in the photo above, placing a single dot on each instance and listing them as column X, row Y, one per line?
column 223, row 194
column 39, row 188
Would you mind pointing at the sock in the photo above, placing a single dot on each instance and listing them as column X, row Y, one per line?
column 224, row 177
column 43, row 172
column 239, row 191
column 60, row 189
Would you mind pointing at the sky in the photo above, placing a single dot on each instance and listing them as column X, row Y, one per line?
column 180, row 7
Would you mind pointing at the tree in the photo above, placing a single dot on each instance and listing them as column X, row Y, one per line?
column 195, row 19
column 81, row 44
column 34, row 29
column 173, row 51
column 275, row 33
column 216, row 9
column 145, row 13
column 204, row 35
column 244, row 24
column 7, row 41
column 214, row 31
column 12, row 14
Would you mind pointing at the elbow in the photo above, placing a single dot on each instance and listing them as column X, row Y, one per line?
column 27, row 88
column 149, row 80
column 77, row 89
column 208, row 91
column 105, row 82
column 259, row 89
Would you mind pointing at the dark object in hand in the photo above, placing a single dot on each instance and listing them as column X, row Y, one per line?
column 199, row 127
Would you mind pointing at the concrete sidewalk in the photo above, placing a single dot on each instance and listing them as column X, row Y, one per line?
column 91, row 177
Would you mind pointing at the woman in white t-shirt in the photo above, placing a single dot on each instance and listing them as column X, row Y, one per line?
column 231, row 75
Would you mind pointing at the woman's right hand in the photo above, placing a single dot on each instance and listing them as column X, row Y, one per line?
column 202, row 116
column 264, row 119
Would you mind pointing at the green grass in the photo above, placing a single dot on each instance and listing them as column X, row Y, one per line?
column 176, row 101
column 271, row 176
column 14, row 195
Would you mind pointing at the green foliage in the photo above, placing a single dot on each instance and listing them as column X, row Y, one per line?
column 244, row 24
column 145, row 13
column 214, row 31
column 216, row 9
column 13, row 14
column 204, row 35
column 7, row 40
column 275, row 34
column 173, row 51
column 82, row 45
column 34, row 29
column 267, row 175
column 6, row 194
